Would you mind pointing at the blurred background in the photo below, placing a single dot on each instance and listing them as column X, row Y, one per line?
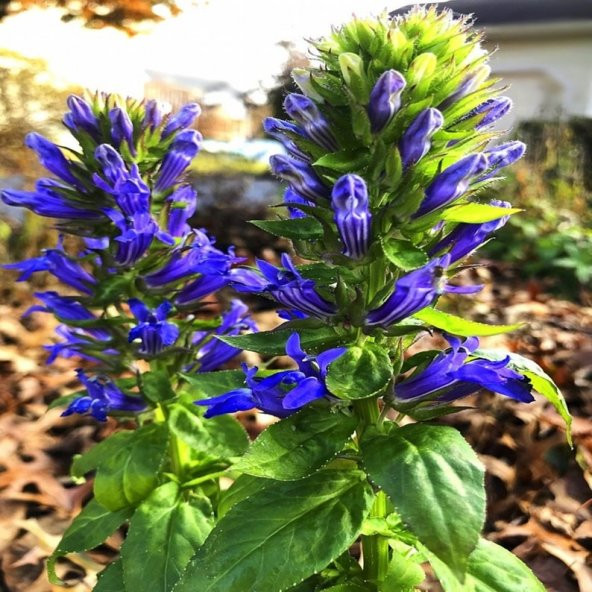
column 234, row 58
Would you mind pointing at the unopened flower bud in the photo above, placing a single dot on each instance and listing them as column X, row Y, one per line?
column 385, row 99
column 183, row 150
column 304, row 111
column 181, row 120
column 122, row 128
column 301, row 175
column 416, row 140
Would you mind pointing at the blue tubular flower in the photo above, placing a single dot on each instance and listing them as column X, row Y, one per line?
column 452, row 182
column 64, row 307
column 411, row 293
column 137, row 234
column 349, row 200
column 81, row 116
column 449, row 376
column 122, row 128
column 279, row 130
column 271, row 394
column 102, row 397
column 304, row 112
column 47, row 201
column 193, row 292
column 301, row 175
column 182, row 151
column 60, row 265
column 215, row 353
column 153, row 330
column 416, row 140
column 131, row 194
column 51, row 157
column 385, row 99
column 465, row 238
column 182, row 203
column 491, row 110
column 77, row 342
column 286, row 286
column 502, row 156
column 293, row 197
column 153, row 115
column 182, row 119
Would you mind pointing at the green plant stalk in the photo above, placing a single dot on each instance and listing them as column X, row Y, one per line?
column 178, row 450
column 375, row 548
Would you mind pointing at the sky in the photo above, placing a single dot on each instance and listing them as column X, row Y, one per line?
column 232, row 40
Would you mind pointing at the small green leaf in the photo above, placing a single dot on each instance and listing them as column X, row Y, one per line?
column 129, row 474
column 99, row 453
column 274, row 342
column 221, row 436
column 271, row 541
column 212, row 384
column 361, row 372
column 88, row 530
column 404, row 254
column 111, row 578
column 540, row 380
column 297, row 446
column 344, row 161
column 476, row 213
column 459, row 326
column 404, row 575
column 296, row 229
column 494, row 569
column 157, row 386
column 165, row 531
column 435, row 482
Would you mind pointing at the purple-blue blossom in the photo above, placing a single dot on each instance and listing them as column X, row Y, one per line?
column 122, row 128
column 349, row 200
column 153, row 330
column 103, row 396
column 291, row 196
column 385, row 99
column 458, row 372
column 282, row 393
column 301, row 176
column 411, row 293
column 280, row 130
column 502, row 156
column 452, row 183
column 182, row 205
column 308, row 116
column 286, row 286
column 416, row 141
column 184, row 118
column 465, row 238
column 81, row 116
column 181, row 152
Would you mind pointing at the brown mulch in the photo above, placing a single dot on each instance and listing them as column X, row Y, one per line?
column 539, row 490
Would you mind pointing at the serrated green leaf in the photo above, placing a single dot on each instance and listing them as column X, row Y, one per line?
column 271, row 540
column 157, row 386
column 541, row 382
column 245, row 486
column 274, row 342
column 361, row 372
column 404, row 254
column 165, row 531
column 99, row 453
column 111, row 578
column 494, row 569
column 296, row 229
column 459, row 326
column 435, row 481
column 476, row 213
column 131, row 472
column 88, row 530
column 298, row 445
column 221, row 436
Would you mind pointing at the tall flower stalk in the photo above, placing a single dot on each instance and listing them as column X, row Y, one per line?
column 134, row 313
column 389, row 149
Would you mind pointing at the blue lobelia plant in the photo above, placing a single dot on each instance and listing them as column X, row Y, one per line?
column 390, row 150
column 136, row 275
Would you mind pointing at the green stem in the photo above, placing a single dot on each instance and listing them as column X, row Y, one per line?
column 374, row 548
column 178, row 450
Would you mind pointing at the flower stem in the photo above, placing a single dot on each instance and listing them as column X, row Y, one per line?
column 374, row 547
